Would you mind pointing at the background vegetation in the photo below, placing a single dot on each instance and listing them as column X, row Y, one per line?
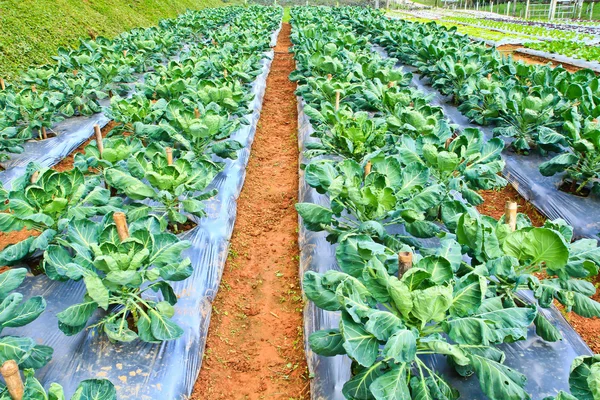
column 32, row 30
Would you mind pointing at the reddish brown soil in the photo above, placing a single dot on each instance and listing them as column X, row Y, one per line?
column 255, row 345
column 511, row 49
column 588, row 328
column 495, row 202
column 66, row 164
column 8, row 238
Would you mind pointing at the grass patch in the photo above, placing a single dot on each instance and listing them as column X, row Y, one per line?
column 286, row 14
column 32, row 30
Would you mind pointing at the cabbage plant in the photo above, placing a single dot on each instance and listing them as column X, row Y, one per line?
column 118, row 276
column 544, row 260
column 177, row 190
column 390, row 327
column 47, row 205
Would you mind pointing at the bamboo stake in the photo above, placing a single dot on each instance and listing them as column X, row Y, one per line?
column 34, row 176
column 121, row 222
column 405, row 259
column 2, row 84
column 196, row 113
column 169, row 152
column 99, row 142
column 337, row 100
column 12, row 377
column 510, row 215
column 367, row 168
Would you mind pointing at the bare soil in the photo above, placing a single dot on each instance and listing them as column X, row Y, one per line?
column 587, row 328
column 512, row 49
column 255, row 346
column 495, row 202
column 8, row 238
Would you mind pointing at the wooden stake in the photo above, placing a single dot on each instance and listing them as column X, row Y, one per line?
column 99, row 142
column 329, row 76
column 2, row 84
column 33, row 88
column 196, row 113
column 34, row 176
column 169, row 152
column 405, row 260
column 448, row 141
column 367, row 168
column 124, row 53
column 391, row 84
column 121, row 222
column 225, row 73
column 44, row 133
column 510, row 215
column 337, row 100
column 12, row 377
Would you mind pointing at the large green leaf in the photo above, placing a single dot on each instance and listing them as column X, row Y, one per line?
column 358, row 343
column 391, row 385
column 359, row 386
column 498, row 381
column 95, row 389
column 491, row 327
column 327, row 342
column 162, row 327
column 401, row 346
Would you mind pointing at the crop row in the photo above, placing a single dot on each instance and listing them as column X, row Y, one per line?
column 535, row 107
column 539, row 32
column 111, row 220
column 80, row 78
column 390, row 162
column 568, row 48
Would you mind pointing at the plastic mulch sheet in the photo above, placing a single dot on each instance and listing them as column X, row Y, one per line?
column 523, row 173
column 70, row 133
column 139, row 370
column 531, row 357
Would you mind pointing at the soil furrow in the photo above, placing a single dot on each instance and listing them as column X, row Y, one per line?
column 255, row 347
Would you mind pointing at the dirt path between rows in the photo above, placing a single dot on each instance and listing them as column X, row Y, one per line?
column 255, row 347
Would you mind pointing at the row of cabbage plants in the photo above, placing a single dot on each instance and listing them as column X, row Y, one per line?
column 389, row 162
column 80, row 78
column 535, row 107
column 168, row 144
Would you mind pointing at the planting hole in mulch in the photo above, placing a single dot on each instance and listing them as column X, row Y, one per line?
column 571, row 188
column 495, row 202
column 181, row 228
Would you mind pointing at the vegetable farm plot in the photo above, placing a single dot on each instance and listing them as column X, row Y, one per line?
column 357, row 252
column 412, row 292
column 559, row 43
column 113, row 264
